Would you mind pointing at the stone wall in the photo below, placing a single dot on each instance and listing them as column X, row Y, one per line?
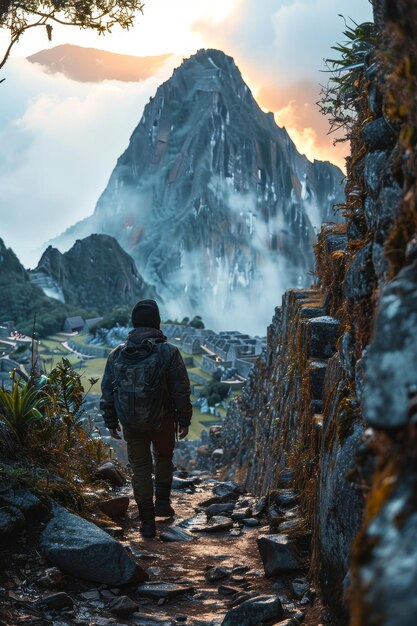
column 335, row 396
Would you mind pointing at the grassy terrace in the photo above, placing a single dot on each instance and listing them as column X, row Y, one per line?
column 51, row 351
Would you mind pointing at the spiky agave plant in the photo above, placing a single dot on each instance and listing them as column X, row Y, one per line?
column 21, row 408
column 339, row 101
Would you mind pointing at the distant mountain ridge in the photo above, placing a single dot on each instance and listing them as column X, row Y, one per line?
column 212, row 198
column 94, row 65
column 95, row 275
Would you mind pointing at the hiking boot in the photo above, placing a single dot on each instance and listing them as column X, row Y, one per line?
column 163, row 506
column 147, row 520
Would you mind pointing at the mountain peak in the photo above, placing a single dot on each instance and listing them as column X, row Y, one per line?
column 212, row 198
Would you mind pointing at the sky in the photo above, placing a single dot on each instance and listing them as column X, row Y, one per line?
column 63, row 138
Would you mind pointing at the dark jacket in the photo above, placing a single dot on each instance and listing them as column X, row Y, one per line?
column 178, row 384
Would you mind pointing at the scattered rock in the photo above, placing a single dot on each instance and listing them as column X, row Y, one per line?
column 110, row 472
column 242, row 596
column 52, row 577
column 115, row 507
column 299, row 587
column 228, row 489
column 93, row 594
column 182, row 483
column 217, row 524
column 241, row 514
column 123, row 606
column 278, row 554
column 238, row 570
column 175, row 533
column 260, row 506
column 220, row 509
column 287, row 498
column 60, row 600
column 194, row 524
column 159, row 590
column 254, row 611
column 225, row 590
column 250, row 522
column 216, row 573
column 84, row 550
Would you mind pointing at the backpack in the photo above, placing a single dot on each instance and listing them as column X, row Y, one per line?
column 140, row 386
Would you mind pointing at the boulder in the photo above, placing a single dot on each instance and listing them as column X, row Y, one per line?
column 323, row 333
column 378, row 134
column 11, row 520
column 387, row 568
column 317, row 372
column 359, row 281
column 21, row 499
column 375, row 165
column 390, row 364
column 109, row 471
column 81, row 549
column 115, row 507
column 278, row 554
column 259, row 610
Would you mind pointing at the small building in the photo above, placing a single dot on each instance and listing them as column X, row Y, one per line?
column 74, row 324
column 90, row 322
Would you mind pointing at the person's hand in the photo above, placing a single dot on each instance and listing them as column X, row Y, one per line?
column 182, row 432
column 114, row 433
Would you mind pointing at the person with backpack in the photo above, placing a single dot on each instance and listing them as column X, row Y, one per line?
column 146, row 390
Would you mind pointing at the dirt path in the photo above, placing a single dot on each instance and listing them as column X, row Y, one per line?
column 181, row 563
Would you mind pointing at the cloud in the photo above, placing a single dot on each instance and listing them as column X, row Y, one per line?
column 63, row 140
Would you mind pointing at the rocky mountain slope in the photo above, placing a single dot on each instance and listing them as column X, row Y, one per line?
column 212, row 198
column 92, row 65
column 20, row 298
column 94, row 274
column 92, row 278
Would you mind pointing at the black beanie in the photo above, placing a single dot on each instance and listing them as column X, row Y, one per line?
column 146, row 313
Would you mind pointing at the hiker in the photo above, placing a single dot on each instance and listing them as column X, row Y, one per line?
column 146, row 388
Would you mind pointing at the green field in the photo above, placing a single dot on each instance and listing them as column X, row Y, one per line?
column 51, row 352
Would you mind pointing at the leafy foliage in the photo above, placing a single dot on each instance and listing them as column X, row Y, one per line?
column 46, row 431
column 339, row 100
column 100, row 15
column 120, row 315
column 196, row 322
column 21, row 408
column 215, row 391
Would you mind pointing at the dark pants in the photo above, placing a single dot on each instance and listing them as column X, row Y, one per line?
column 141, row 447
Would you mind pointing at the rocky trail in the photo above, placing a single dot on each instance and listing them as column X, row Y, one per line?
column 226, row 558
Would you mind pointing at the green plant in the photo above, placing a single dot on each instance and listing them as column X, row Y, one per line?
column 21, row 408
column 339, row 101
